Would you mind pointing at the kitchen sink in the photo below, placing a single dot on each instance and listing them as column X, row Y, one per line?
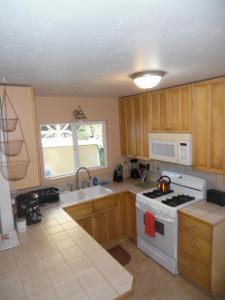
column 85, row 194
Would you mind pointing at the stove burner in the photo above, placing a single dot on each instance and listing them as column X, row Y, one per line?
column 156, row 194
column 178, row 200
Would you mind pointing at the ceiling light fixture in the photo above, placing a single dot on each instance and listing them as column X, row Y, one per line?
column 79, row 114
column 147, row 79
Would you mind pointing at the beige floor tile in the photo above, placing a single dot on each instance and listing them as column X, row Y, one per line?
column 35, row 283
column 65, row 244
column 45, row 294
column 53, row 261
column 80, row 265
column 72, row 253
column 14, row 292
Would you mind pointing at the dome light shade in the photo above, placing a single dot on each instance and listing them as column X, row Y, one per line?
column 147, row 79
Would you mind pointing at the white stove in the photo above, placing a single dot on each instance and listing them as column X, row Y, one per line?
column 163, row 247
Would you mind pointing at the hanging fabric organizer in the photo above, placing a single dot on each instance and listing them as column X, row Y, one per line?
column 12, row 166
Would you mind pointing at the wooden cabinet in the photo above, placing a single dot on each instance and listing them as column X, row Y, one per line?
column 86, row 222
column 134, row 125
column 22, row 99
column 200, row 253
column 106, row 229
column 131, row 216
column 108, row 219
column 171, row 110
column 106, row 223
column 208, row 125
column 166, row 110
column 122, row 214
column 99, row 218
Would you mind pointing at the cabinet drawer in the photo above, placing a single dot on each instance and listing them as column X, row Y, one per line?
column 105, row 202
column 194, row 270
column 195, row 246
column 77, row 211
column 192, row 226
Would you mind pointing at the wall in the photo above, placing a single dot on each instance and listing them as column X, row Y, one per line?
column 60, row 109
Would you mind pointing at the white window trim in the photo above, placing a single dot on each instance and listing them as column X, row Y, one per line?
column 75, row 145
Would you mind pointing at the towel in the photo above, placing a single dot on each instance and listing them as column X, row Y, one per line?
column 149, row 224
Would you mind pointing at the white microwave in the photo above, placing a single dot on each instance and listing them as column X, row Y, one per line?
column 171, row 147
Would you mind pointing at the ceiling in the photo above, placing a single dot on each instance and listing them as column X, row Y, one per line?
column 89, row 47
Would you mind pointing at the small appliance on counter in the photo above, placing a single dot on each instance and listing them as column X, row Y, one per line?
column 27, row 207
column 118, row 173
column 134, row 173
column 216, row 197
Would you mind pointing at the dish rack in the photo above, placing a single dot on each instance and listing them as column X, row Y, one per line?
column 12, row 168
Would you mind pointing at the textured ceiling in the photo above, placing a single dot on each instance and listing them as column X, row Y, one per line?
column 89, row 47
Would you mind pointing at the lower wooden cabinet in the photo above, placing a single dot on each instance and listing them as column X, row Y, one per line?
column 200, row 253
column 106, row 225
column 131, row 216
column 108, row 219
column 86, row 223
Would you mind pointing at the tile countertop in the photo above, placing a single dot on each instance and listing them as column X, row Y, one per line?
column 205, row 211
column 57, row 259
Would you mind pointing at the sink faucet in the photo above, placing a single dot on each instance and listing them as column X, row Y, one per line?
column 77, row 177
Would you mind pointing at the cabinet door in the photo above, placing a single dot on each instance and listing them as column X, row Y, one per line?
column 208, row 125
column 106, row 226
column 158, row 111
column 123, row 126
column 172, row 110
column 22, row 99
column 145, row 122
column 122, row 214
column 87, row 224
column 130, row 117
column 131, row 216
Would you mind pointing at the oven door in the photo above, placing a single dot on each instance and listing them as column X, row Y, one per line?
column 166, row 232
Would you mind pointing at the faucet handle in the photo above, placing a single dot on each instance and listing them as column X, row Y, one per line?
column 71, row 187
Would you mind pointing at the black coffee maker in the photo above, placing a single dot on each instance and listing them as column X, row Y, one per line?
column 28, row 208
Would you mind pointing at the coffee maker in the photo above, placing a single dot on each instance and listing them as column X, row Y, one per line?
column 28, row 208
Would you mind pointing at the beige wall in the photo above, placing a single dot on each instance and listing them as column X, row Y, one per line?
column 59, row 110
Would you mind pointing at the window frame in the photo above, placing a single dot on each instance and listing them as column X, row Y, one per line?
column 74, row 126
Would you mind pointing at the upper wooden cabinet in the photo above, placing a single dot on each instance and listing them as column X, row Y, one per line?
column 208, row 125
column 134, row 125
column 22, row 99
column 171, row 110
column 167, row 110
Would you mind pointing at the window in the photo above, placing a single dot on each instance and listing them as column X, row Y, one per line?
column 67, row 147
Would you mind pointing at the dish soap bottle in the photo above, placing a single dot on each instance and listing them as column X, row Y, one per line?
column 95, row 180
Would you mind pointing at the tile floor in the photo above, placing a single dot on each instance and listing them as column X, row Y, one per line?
column 152, row 282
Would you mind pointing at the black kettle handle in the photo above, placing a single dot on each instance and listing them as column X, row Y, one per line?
column 169, row 180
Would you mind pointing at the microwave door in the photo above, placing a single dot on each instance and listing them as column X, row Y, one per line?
column 163, row 150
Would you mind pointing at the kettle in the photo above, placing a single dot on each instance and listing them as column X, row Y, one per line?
column 163, row 185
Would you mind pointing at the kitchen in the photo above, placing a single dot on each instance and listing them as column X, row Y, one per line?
column 47, row 83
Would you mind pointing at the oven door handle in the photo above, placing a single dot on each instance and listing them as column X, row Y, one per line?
column 165, row 219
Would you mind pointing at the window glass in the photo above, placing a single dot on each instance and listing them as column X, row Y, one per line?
column 90, row 145
column 58, row 153
column 66, row 147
